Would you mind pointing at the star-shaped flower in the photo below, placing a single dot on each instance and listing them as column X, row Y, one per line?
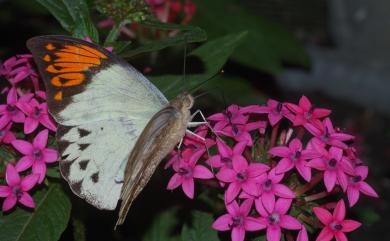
column 335, row 225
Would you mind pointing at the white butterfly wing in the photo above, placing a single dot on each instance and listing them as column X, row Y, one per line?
column 102, row 104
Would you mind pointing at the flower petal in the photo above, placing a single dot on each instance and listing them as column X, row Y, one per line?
column 238, row 234
column 232, row 192
column 304, row 170
column 39, row 168
column 283, row 191
column 40, row 141
column 253, row 224
column 256, row 169
column 283, row 205
column 250, row 187
column 9, row 203
column 30, row 125
column 273, row 233
column 339, row 211
column 282, row 151
column 284, row 165
column 224, row 149
column 330, row 180
column 260, row 208
column 50, row 155
column 367, row 189
column 5, row 191
column 174, row 182
column 23, row 147
column 239, row 163
column 202, row 172
column 340, row 236
column 28, row 182
column 317, row 163
column 188, row 187
column 290, row 223
column 353, row 195
column 27, row 200
column 11, row 175
column 24, row 163
column 323, row 215
column 246, row 207
column 350, row 225
column 226, row 175
column 47, row 122
column 302, row 235
column 325, row 235
column 222, row 223
column 268, row 200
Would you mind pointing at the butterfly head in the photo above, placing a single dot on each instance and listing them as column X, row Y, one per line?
column 184, row 101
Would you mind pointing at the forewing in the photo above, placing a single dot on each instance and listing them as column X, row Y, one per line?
column 102, row 105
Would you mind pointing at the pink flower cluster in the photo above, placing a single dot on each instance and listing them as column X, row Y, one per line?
column 24, row 114
column 268, row 160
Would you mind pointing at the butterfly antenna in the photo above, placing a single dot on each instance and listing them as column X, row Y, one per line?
column 195, row 88
column 185, row 60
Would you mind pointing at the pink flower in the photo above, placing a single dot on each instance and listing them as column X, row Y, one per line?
column 334, row 166
column 35, row 155
column 293, row 156
column 186, row 172
column 357, row 184
column 226, row 155
column 6, row 136
column 238, row 221
column 10, row 111
column 190, row 145
column 325, row 133
column 269, row 187
column 232, row 115
column 36, row 113
column 17, row 188
column 277, row 218
column 240, row 133
column 306, row 113
column 302, row 235
column 241, row 176
column 335, row 225
column 275, row 110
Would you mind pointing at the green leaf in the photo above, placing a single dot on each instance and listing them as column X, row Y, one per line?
column 84, row 26
column 45, row 223
column 213, row 55
column 163, row 226
column 58, row 9
column 187, row 34
column 53, row 172
column 267, row 46
column 201, row 228
column 73, row 16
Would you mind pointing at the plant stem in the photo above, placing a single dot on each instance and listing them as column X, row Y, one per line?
column 274, row 135
column 308, row 186
column 321, row 195
column 300, row 132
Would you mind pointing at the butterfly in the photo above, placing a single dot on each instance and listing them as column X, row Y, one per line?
column 114, row 125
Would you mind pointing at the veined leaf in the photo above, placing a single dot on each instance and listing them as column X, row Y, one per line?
column 201, row 229
column 213, row 55
column 187, row 34
column 45, row 223
column 58, row 10
column 163, row 226
column 73, row 16
column 267, row 46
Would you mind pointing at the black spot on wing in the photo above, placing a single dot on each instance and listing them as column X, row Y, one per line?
column 83, row 132
column 76, row 186
column 65, row 167
column 62, row 145
column 95, row 177
column 83, row 164
column 82, row 147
